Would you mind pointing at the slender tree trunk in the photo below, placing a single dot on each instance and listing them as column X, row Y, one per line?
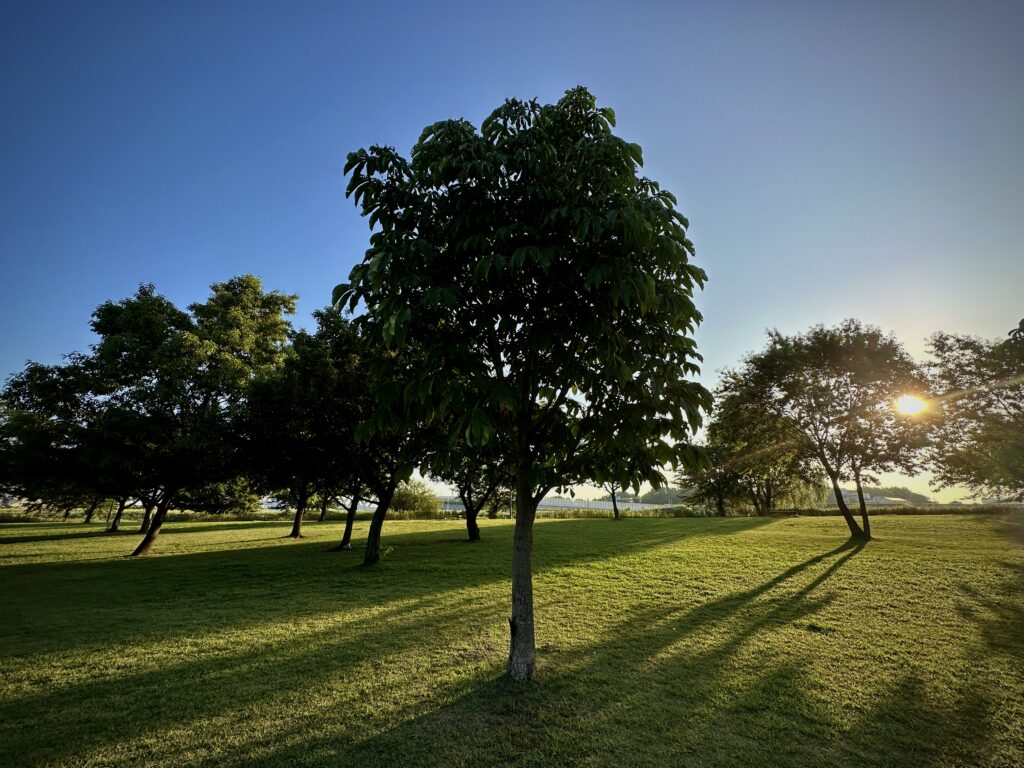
column 324, row 503
column 615, row 504
column 372, row 554
column 115, row 524
column 154, row 528
column 300, row 508
column 91, row 510
column 350, row 518
column 720, row 506
column 147, row 516
column 522, row 653
column 865, row 521
column 472, row 528
column 855, row 530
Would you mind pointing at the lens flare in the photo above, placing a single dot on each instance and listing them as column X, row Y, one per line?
column 910, row 405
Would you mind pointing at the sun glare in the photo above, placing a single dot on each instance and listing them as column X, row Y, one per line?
column 910, row 405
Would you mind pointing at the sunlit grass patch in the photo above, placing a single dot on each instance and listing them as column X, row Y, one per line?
column 661, row 642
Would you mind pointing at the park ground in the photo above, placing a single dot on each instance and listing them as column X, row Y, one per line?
column 661, row 642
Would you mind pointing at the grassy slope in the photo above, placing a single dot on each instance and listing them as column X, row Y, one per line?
column 662, row 642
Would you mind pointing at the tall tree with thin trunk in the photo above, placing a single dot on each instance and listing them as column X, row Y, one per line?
column 549, row 290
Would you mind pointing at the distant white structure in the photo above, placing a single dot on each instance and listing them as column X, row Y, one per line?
column 850, row 497
column 454, row 504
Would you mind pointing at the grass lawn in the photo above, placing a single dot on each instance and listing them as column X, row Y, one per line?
column 662, row 642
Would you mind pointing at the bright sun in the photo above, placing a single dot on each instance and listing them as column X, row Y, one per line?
column 910, row 405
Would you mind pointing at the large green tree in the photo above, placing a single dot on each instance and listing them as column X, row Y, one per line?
column 294, row 427
column 834, row 390
column 176, row 378
column 49, row 455
column 979, row 386
column 550, row 289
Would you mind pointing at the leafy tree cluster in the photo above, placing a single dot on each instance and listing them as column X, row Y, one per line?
column 822, row 405
column 979, row 387
column 812, row 406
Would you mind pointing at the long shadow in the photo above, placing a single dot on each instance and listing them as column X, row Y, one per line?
column 618, row 676
column 425, row 590
column 1000, row 620
column 72, row 604
column 70, row 535
column 128, row 529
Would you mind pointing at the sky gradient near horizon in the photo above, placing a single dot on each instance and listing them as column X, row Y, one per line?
column 835, row 160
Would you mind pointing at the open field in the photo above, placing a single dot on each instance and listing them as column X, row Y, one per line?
column 663, row 642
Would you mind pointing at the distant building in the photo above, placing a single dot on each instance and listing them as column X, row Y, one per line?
column 454, row 504
column 850, row 497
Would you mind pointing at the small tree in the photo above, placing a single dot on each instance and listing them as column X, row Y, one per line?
column 714, row 483
column 476, row 478
column 766, row 462
column 549, row 292
column 416, row 497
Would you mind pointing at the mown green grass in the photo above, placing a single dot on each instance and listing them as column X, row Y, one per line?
column 662, row 642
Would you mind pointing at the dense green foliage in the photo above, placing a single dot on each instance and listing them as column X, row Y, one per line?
column 749, row 641
column 980, row 389
column 546, row 290
column 417, row 497
column 832, row 392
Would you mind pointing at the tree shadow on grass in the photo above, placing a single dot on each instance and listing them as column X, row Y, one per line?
column 349, row 624
column 595, row 709
column 70, row 535
column 129, row 528
column 999, row 619
column 70, row 604
column 687, row 687
column 723, row 682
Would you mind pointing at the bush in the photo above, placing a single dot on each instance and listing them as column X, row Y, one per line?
column 415, row 499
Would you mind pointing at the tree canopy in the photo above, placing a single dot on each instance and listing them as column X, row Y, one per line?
column 979, row 386
column 834, row 390
column 550, row 289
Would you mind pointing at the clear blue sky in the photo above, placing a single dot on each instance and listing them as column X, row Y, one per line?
column 835, row 159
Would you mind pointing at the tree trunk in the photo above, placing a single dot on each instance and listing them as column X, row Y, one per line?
column 154, row 528
column 372, row 554
column 147, row 516
column 756, row 501
column 116, row 522
column 472, row 528
column 350, row 518
column 865, row 522
column 855, row 530
column 324, row 503
column 615, row 504
column 300, row 508
column 522, row 653
column 91, row 510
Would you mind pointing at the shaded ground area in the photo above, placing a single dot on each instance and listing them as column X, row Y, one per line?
column 663, row 642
